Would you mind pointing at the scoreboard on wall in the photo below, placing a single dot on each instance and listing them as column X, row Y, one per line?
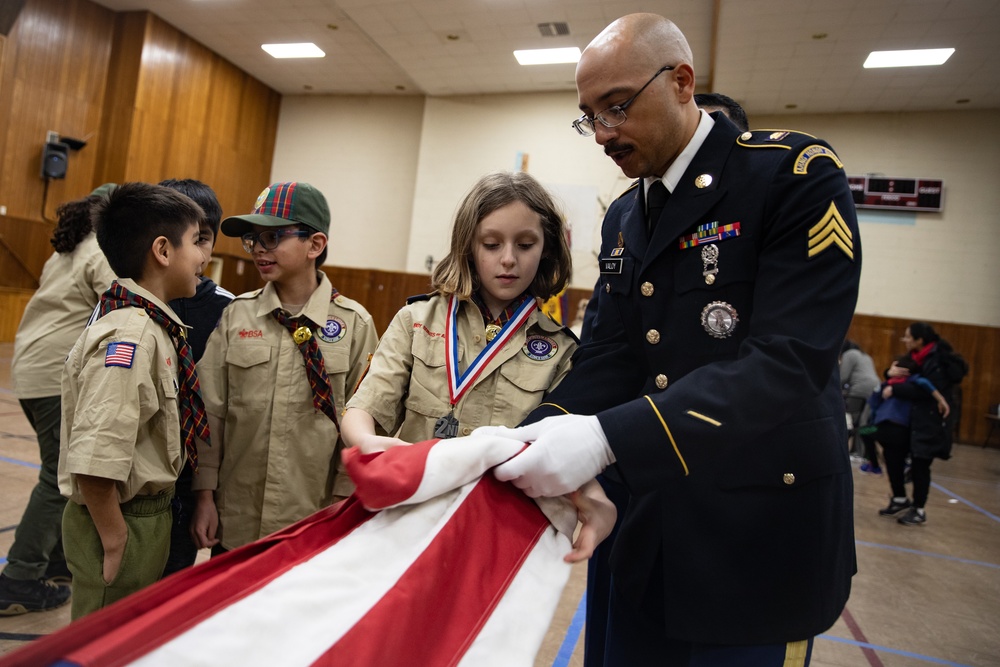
column 886, row 192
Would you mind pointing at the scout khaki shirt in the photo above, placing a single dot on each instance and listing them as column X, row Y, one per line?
column 406, row 388
column 280, row 459
column 70, row 286
column 121, row 422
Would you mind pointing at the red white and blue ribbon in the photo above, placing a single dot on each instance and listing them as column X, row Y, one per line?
column 459, row 383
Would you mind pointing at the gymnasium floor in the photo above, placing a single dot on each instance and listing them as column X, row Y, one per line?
column 923, row 596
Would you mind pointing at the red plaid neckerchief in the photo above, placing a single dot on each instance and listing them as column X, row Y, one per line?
column 503, row 317
column 319, row 381
column 194, row 421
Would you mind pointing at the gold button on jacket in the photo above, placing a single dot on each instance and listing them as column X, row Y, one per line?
column 646, row 289
column 653, row 336
column 662, row 381
column 788, row 478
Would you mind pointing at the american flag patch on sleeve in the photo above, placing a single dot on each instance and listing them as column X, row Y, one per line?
column 120, row 354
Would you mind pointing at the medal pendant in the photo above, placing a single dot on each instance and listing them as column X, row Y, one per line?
column 446, row 427
column 491, row 331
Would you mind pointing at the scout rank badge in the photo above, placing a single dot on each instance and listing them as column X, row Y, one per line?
column 460, row 383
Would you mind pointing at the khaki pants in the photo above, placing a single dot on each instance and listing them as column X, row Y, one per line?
column 148, row 520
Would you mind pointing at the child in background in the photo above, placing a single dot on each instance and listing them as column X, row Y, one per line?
column 72, row 282
column 477, row 351
column 130, row 398
column 278, row 369
column 201, row 313
column 890, row 427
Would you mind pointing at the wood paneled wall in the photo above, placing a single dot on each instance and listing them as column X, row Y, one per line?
column 150, row 102
column 181, row 111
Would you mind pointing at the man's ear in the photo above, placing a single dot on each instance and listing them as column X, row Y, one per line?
column 162, row 250
column 317, row 242
column 684, row 78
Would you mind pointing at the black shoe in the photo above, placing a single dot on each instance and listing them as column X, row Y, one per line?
column 58, row 573
column 895, row 508
column 913, row 518
column 20, row 597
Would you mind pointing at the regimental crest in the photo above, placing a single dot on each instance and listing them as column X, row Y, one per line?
column 333, row 331
column 831, row 232
column 539, row 348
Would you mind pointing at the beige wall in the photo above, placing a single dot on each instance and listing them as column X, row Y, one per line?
column 361, row 152
column 941, row 267
column 937, row 266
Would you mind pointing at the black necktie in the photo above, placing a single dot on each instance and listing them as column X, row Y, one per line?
column 656, row 199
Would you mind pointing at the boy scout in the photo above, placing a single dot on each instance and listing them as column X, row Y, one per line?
column 277, row 371
column 125, row 385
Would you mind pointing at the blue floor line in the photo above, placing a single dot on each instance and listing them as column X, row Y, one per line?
column 917, row 552
column 5, row 459
column 963, row 500
column 576, row 627
column 895, row 651
column 572, row 634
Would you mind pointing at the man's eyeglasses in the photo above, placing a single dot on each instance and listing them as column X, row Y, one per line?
column 269, row 238
column 613, row 116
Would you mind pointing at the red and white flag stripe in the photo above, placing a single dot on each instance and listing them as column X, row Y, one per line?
column 459, row 569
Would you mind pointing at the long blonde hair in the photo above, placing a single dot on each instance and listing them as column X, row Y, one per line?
column 456, row 274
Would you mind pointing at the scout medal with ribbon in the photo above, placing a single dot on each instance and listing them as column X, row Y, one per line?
column 459, row 383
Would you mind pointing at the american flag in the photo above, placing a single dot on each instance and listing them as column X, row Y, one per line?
column 432, row 562
column 120, row 354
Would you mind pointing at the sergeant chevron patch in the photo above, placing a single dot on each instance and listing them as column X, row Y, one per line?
column 831, row 230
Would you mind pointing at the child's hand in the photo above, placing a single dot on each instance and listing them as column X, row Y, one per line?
column 897, row 371
column 887, row 392
column 371, row 443
column 944, row 409
column 113, row 553
column 597, row 516
column 205, row 520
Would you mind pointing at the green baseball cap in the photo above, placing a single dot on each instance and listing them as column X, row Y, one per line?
column 103, row 190
column 282, row 204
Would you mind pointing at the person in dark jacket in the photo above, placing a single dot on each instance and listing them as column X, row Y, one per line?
column 930, row 428
column 201, row 312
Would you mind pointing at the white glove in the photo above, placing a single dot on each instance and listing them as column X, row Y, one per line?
column 566, row 451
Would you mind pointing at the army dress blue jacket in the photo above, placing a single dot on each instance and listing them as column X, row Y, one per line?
column 714, row 375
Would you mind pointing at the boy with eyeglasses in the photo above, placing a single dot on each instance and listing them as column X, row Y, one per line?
column 276, row 375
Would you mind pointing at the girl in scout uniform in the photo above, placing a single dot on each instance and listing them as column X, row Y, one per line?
column 477, row 351
column 71, row 284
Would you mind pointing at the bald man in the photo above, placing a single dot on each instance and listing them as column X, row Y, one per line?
column 729, row 275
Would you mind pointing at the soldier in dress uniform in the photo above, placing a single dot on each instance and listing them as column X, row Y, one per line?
column 729, row 275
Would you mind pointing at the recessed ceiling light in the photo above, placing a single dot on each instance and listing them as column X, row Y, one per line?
column 911, row 58
column 306, row 50
column 548, row 56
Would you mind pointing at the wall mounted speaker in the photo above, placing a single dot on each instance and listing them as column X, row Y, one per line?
column 54, row 160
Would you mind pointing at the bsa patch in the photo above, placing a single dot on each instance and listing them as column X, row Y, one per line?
column 120, row 354
column 334, row 330
column 539, row 348
column 810, row 153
